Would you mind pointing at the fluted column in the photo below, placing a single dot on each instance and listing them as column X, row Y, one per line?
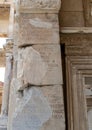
column 6, row 89
column 7, row 81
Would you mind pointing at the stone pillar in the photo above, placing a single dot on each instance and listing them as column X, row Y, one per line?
column 39, row 104
column 6, row 89
column 11, row 21
column 8, row 72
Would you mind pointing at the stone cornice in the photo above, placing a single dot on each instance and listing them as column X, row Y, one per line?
column 76, row 38
column 76, row 30
column 5, row 4
column 38, row 6
column 77, row 44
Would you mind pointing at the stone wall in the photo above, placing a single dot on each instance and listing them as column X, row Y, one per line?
column 36, row 95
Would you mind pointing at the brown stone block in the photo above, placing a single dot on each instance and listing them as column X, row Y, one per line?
column 72, row 5
column 38, row 29
column 40, row 65
column 72, row 19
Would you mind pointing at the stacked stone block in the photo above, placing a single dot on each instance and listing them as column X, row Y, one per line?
column 39, row 94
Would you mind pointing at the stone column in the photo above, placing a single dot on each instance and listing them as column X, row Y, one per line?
column 11, row 21
column 7, row 81
column 40, row 105
column 8, row 72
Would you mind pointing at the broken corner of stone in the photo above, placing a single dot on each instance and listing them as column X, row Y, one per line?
column 36, row 94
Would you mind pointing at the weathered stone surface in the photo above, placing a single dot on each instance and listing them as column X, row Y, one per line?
column 37, row 5
column 40, row 109
column 35, row 108
column 72, row 5
column 37, row 88
column 40, row 65
column 12, row 102
column 40, row 3
column 54, row 95
column 72, row 19
column 8, row 73
column 38, row 29
column 82, row 39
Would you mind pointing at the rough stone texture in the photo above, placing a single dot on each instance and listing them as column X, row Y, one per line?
column 5, row 100
column 13, row 92
column 38, row 29
column 41, row 107
column 12, row 102
column 37, row 5
column 40, row 65
column 71, row 14
column 57, row 121
column 83, row 47
column 72, row 5
column 40, row 3
column 34, row 108
column 72, row 19
column 37, row 87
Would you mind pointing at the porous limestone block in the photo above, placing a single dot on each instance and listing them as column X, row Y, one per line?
column 40, row 108
column 38, row 29
column 39, row 65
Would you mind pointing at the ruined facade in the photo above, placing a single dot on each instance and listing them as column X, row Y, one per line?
column 48, row 78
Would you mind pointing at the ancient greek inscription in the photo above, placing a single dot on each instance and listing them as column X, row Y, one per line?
column 55, row 98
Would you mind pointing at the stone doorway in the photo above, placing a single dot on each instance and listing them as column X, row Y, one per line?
column 78, row 75
column 79, row 92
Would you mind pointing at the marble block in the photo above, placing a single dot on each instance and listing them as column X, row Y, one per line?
column 40, row 65
column 38, row 29
column 40, row 109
